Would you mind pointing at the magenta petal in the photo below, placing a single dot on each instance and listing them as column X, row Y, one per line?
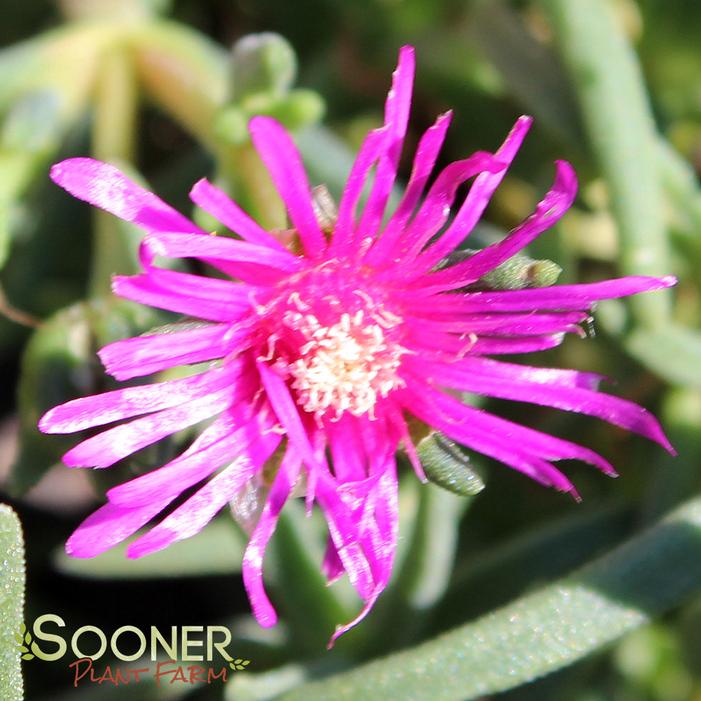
column 477, row 199
column 487, row 367
column 529, row 324
column 197, row 511
column 435, row 209
column 583, row 401
column 145, row 290
column 284, row 164
column 110, row 525
column 450, row 345
column 282, row 487
column 104, row 186
column 217, row 203
column 557, row 297
column 145, row 355
column 108, row 447
column 105, row 408
column 346, row 539
column 424, row 161
column 347, row 449
column 514, row 445
column 396, row 119
column 344, row 230
column 218, row 445
column 218, row 248
column 286, row 411
column 548, row 212
column 331, row 566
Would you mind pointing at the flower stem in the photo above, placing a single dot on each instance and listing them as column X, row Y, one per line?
column 113, row 136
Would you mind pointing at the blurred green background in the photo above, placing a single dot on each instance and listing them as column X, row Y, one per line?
column 153, row 85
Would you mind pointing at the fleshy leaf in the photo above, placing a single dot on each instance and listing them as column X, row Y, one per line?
column 11, row 605
column 543, row 631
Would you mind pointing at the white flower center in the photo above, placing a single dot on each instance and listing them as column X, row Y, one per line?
column 346, row 367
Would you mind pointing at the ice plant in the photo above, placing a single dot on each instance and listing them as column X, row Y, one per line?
column 317, row 357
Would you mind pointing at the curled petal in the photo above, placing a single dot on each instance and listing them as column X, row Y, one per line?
column 548, row 212
column 282, row 487
column 478, row 197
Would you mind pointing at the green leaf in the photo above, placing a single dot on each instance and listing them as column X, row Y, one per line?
column 11, row 604
column 540, row 632
column 55, row 367
column 216, row 550
column 671, row 351
column 619, row 125
column 60, row 363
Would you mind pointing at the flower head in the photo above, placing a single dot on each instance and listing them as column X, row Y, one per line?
column 321, row 357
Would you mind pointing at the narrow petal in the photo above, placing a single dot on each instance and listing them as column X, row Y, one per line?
column 557, row 297
column 347, row 449
column 424, row 161
column 284, row 164
column 106, row 187
column 347, row 541
column 529, row 324
column 343, row 236
column 396, row 120
column 282, row 487
column 192, row 516
column 227, row 439
column 473, row 427
column 218, row 248
column 478, row 198
column 286, row 411
column 487, row 367
column 145, row 355
column 107, row 407
column 110, row 525
column 396, row 417
column 331, row 566
column 451, row 346
column 108, row 447
column 434, row 211
column 583, row 401
column 217, row 203
column 145, row 290
column 548, row 212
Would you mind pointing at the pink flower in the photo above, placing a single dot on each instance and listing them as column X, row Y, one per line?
column 321, row 357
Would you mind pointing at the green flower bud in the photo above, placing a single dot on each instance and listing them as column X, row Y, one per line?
column 262, row 63
column 447, row 466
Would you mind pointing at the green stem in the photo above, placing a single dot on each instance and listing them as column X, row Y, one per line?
column 113, row 136
column 251, row 184
column 619, row 125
